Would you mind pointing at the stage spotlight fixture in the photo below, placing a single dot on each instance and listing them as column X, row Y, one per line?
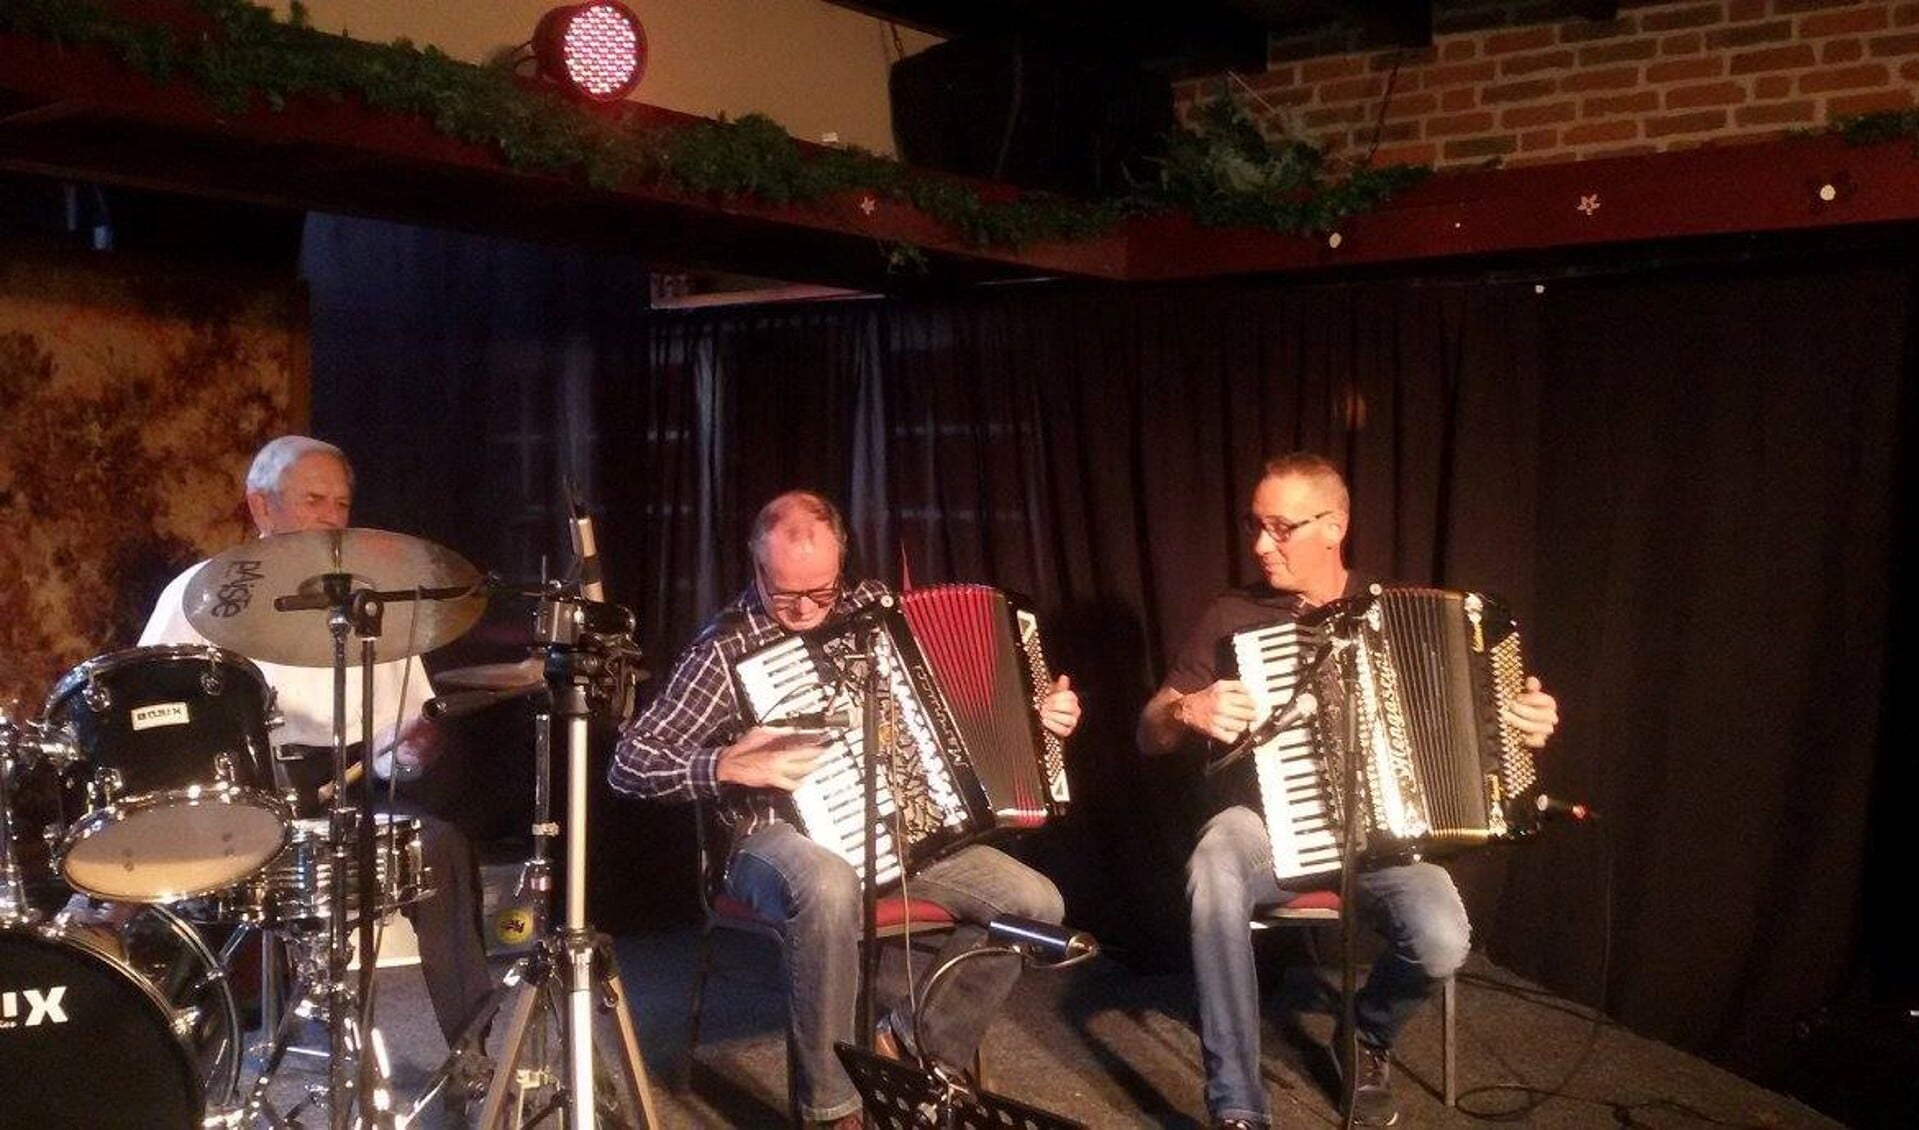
column 596, row 50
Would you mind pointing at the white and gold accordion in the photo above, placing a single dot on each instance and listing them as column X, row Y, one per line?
column 963, row 751
column 1438, row 771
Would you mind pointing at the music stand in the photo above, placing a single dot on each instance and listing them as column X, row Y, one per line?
column 903, row 1096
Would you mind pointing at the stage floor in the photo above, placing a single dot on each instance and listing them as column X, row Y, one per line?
column 1109, row 1048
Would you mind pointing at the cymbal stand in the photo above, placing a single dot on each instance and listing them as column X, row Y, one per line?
column 356, row 1081
column 588, row 665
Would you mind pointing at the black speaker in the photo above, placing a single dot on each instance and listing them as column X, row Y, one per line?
column 1040, row 117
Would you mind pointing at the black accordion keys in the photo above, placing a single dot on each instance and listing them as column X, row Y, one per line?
column 960, row 739
column 1439, row 772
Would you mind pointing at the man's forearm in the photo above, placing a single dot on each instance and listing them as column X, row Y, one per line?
column 1160, row 729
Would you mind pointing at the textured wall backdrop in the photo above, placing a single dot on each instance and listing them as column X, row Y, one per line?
column 131, row 398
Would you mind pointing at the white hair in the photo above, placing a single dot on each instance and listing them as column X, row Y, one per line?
column 271, row 464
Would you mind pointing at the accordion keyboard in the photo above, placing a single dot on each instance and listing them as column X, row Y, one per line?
column 1291, row 784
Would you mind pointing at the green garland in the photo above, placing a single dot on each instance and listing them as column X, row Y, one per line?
column 1221, row 171
column 1885, row 125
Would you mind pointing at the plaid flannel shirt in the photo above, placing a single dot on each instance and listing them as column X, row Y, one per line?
column 671, row 750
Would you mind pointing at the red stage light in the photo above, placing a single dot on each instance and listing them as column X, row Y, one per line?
column 597, row 50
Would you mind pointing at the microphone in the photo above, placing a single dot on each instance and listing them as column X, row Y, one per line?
column 586, row 549
column 838, row 719
column 1553, row 806
column 1305, row 705
column 459, row 703
column 1041, row 939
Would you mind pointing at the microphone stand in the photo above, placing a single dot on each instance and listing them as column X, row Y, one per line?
column 863, row 665
column 1343, row 630
column 574, row 964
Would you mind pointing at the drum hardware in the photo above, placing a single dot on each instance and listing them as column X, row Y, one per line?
column 137, row 992
column 590, row 668
column 345, row 578
column 177, row 779
column 227, row 599
column 14, row 907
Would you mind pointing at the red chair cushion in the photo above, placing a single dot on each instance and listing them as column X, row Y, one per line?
column 1314, row 900
column 891, row 911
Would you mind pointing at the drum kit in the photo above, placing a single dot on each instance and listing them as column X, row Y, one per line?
column 141, row 816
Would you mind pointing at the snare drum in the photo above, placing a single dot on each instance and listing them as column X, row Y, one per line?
column 295, row 891
column 114, row 1017
column 173, row 756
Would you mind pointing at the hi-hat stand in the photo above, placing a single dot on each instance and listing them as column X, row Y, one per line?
column 571, row 975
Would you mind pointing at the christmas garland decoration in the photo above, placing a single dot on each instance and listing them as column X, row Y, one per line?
column 1220, row 170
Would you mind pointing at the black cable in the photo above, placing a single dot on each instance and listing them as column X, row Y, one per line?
column 1012, row 111
column 1385, row 103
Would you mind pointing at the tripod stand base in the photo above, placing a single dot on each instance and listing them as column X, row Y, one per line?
column 548, row 1047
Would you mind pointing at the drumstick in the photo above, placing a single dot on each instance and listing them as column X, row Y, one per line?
column 353, row 773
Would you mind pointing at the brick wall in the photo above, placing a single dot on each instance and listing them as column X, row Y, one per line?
column 1520, row 84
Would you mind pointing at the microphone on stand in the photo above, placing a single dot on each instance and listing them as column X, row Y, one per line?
column 592, row 586
column 1553, row 806
column 1041, row 939
column 456, row 704
column 1304, row 706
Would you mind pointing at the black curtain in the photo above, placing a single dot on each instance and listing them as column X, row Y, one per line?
column 1717, row 492
column 1093, row 451
column 1684, row 482
column 463, row 375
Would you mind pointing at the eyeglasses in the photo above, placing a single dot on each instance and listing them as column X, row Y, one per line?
column 789, row 603
column 1280, row 530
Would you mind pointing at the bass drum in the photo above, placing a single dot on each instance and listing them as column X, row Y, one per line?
column 114, row 1016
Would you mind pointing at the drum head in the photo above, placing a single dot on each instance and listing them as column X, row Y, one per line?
column 170, row 848
column 86, row 1042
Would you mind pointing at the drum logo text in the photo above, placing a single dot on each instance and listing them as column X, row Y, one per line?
column 160, row 714
column 236, row 592
column 42, row 1007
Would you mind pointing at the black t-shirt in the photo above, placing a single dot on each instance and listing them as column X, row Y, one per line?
column 1208, row 657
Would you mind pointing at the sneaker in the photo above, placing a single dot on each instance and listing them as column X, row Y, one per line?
column 1373, row 1101
column 886, row 1042
column 1237, row 1124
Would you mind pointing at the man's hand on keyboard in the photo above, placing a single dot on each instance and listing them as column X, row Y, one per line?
column 769, row 757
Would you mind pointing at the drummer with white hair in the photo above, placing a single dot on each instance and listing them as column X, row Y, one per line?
column 297, row 483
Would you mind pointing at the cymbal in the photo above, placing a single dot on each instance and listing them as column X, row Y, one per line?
column 527, row 673
column 231, row 599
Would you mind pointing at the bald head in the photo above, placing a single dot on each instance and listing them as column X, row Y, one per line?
column 798, row 544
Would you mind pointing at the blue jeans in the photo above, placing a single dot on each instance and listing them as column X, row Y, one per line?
column 1415, row 908
column 788, row 878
